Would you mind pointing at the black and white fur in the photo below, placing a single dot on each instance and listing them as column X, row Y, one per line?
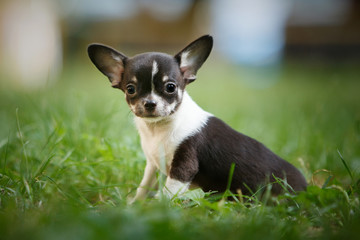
column 196, row 148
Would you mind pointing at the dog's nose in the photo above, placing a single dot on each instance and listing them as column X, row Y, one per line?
column 150, row 105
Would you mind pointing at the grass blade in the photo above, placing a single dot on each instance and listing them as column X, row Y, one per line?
column 346, row 166
column 231, row 173
column 22, row 144
column 227, row 192
column 326, row 183
column 43, row 166
column 6, row 152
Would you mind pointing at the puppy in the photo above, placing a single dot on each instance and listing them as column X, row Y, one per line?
column 194, row 147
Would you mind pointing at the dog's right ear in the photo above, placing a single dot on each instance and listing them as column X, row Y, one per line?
column 109, row 61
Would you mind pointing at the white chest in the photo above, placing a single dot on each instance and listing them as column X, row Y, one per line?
column 159, row 146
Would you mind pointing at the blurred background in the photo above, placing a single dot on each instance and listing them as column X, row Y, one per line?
column 39, row 37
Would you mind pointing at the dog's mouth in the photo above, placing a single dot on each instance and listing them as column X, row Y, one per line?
column 152, row 117
column 148, row 114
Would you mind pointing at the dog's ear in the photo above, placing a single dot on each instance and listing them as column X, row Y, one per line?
column 109, row 61
column 193, row 56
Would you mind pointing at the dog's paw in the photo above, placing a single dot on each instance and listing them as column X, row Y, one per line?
column 158, row 195
column 131, row 201
column 164, row 194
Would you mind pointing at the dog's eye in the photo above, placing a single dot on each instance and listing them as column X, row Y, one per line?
column 170, row 87
column 130, row 89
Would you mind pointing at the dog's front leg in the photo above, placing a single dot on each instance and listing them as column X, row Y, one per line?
column 184, row 167
column 147, row 182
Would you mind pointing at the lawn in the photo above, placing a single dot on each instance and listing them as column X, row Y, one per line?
column 70, row 157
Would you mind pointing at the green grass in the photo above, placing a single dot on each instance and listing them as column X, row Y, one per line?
column 70, row 158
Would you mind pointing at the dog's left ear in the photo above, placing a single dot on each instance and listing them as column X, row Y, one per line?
column 193, row 56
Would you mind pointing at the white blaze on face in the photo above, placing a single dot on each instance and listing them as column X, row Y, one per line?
column 154, row 71
column 154, row 96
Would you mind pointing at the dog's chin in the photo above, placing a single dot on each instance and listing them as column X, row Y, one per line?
column 152, row 117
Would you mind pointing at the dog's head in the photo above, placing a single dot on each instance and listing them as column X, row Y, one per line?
column 153, row 83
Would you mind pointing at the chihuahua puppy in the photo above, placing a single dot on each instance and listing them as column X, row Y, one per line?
column 196, row 148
